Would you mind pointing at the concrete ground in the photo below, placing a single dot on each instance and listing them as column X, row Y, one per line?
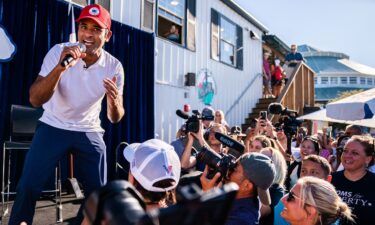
column 46, row 213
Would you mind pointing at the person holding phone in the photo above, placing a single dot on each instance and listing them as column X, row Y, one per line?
column 325, row 142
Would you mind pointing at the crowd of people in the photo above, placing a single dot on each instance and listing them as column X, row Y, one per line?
column 323, row 181
column 318, row 179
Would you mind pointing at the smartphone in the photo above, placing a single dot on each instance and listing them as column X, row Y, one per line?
column 263, row 115
column 329, row 131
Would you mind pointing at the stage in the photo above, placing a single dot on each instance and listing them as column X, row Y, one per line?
column 45, row 211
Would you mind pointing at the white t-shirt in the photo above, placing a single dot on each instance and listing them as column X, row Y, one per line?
column 76, row 103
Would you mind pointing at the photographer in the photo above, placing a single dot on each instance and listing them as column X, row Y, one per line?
column 253, row 173
column 278, row 139
column 180, row 141
column 266, row 135
column 154, row 171
column 208, row 116
column 189, row 159
column 256, row 127
column 236, row 133
column 281, row 137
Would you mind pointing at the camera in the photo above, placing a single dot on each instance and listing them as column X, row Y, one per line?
column 216, row 162
column 195, row 207
column 263, row 115
column 235, row 148
column 288, row 118
column 192, row 122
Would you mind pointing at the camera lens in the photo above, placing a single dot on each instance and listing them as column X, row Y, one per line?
column 212, row 159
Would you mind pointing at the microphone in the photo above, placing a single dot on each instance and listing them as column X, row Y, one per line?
column 230, row 142
column 277, row 108
column 69, row 58
column 181, row 114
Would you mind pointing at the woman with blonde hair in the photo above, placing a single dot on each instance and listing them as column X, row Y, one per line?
column 313, row 201
column 279, row 162
column 277, row 189
column 220, row 119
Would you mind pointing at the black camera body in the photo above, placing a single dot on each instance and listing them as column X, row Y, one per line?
column 221, row 162
column 290, row 124
column 288, row 118
column 192, row 123
column 216, row 162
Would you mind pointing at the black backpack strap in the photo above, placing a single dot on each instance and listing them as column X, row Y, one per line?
column 290, row 170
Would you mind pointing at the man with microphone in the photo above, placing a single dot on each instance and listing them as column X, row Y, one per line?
column 71, row 85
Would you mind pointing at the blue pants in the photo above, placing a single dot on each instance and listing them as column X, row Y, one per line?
column 49, row 145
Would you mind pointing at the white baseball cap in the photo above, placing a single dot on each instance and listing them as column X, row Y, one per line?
column 153, row 161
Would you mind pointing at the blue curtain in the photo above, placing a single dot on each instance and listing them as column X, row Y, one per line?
column 35, row 26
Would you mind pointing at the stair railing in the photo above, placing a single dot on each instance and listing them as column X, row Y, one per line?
column 242, row 94
column 299, row 91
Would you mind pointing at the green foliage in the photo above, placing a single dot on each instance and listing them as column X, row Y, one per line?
column 345, row 94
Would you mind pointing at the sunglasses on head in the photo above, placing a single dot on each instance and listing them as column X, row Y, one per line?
column 291, row 197
column 312, row 139
column 340, row 149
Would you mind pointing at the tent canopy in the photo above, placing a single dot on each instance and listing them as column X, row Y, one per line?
column 356, row 107
column 322, row 116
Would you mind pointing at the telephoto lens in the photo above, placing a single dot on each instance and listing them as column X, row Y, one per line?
column 216, row 162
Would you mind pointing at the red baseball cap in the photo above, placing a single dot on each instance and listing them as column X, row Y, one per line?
column 97, row 13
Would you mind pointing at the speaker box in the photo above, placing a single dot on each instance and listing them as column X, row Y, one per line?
column 190, row 79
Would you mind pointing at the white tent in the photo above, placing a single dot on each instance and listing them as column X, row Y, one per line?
column 356, row 107
column 322, row 116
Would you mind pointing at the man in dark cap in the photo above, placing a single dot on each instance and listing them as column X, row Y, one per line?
column 254, row 173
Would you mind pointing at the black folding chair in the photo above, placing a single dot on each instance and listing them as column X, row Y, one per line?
column 23, row 121
column 121, row 166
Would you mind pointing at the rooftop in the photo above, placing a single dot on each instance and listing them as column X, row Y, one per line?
column 306, row 48
column 241, row 11
column 276, row 43
column 360, row 68
column 325, row 64
column 335, row 63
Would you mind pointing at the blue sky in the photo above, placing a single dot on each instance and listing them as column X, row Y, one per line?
column 346, row 26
